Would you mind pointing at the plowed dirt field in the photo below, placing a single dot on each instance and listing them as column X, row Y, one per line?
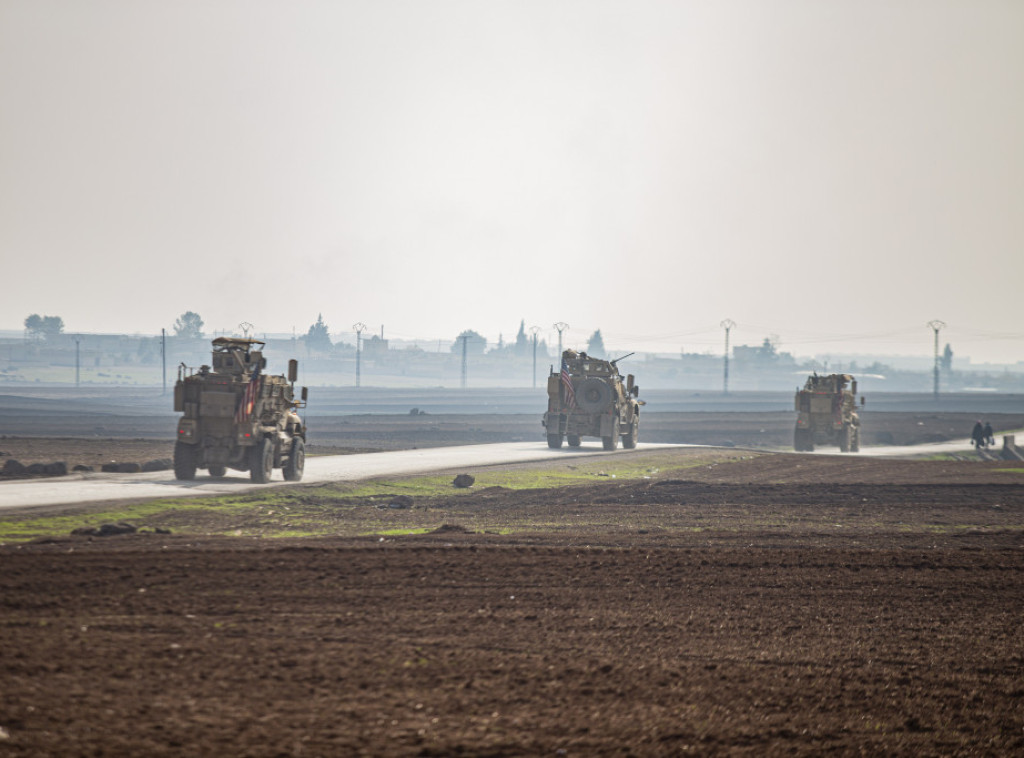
column 773, row 604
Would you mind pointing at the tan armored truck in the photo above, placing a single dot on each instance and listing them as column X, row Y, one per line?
column 237, row 417
column 827, row 413
column 588, row 398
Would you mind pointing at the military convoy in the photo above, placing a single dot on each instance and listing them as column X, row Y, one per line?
column 237, row 417
column 588, row 398
column 827, row 413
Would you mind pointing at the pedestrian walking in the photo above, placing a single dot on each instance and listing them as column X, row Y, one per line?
column 978, row 435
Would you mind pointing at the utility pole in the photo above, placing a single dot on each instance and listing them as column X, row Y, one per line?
column 358, row 328
column 534, row 330
column 728, row 324
column 465, row 339
column 163, row 356
column 561, row 326
column 936, row 326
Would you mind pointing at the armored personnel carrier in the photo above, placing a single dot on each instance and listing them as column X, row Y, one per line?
column 827, row 413
column 237, row 417
column 588, row 398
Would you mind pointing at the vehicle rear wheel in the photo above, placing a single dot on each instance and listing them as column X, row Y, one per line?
column 218, row 471
column 261, row 461
column 554, row 441
column 612, row 442
column 855, row 442
column 802, row 441
column 573, row 440
column 184, row 461
column 296, row 463
column 844, row 439
column 629, row 438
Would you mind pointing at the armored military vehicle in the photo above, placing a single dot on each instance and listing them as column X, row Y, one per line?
column 827, row 413
column 588, row 398
column 237, row 417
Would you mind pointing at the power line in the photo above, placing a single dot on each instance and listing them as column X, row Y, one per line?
column 728, row 324
column 534, row 330
column 936, row 326
column 561, row 326
column 462, row 381
column 358, row 328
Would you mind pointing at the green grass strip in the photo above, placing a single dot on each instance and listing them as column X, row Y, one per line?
column 341, row 508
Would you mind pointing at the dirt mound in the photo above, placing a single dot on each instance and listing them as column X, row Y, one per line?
column 451, row 529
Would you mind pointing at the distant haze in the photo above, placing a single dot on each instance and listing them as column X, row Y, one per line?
column 834, row 173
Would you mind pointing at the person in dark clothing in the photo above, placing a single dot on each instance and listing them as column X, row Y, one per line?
column 989, row 434
column 978, row 435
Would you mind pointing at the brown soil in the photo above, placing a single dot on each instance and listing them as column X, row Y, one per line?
column 766, row 604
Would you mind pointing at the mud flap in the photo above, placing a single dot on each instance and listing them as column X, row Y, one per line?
column 608, row 426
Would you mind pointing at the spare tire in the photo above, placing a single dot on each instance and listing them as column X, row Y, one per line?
column 593, row 395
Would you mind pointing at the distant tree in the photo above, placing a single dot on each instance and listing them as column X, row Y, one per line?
column 318, row 337
column 52, row 326
column 475, row 343
column 34, row 326
column 523, row 346
column 189, row 325
column 43, row 327
column 595, row 345
column 344, row 347
column 947, row 359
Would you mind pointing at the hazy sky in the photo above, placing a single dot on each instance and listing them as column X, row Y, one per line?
column 833, row 172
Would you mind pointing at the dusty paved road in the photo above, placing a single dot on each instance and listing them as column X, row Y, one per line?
column 93, row 488
column 911, row 451
column 98, row 487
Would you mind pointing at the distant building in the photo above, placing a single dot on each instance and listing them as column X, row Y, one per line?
column 375, row 346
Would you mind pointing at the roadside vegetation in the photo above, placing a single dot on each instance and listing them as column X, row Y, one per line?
column 400, row 505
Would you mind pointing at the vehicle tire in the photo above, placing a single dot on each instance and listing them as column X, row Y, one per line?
column 612, row 442
column 261, row 461
column 184, row 461
column 593, row 395
column 844, row 439
column 296, row 462
column 218, row 471
column 629, row 439
column 554, row 441
column 802, row 441
column 573, row 440
column 855, row 442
